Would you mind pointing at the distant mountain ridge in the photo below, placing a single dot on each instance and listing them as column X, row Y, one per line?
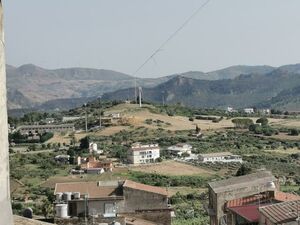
column 33, row 86
column 242, row 91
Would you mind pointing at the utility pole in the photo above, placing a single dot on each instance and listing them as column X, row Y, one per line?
column 86, row 118
column 100, row 112
column 140, row 97
column 5, row 212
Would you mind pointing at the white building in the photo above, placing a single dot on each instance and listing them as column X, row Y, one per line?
column 93, row 148
column 180, row 148
column 249, row 110
column 265, row 111
column 139, row 153
column 225, row 157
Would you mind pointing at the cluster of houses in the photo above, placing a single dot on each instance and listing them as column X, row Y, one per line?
column 149, row 153
column 249, row 110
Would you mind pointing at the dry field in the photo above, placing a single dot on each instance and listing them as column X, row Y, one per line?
column 292, row 123
column 284, row 151
column 284, row 136
column 115, row 175
column 184, row 190
column 173, row 168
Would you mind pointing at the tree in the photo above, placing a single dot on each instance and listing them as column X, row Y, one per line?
column 47, row 208
column 263, row 121
column 85, row 142
column 197, row 129
column 242, row 123
column 243, row 170
column 294, row 132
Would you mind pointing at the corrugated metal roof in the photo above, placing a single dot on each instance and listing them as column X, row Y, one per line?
column 281, row 212
column 259, row 178
column 248, row 212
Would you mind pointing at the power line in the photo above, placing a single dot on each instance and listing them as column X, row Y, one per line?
column 168, row 40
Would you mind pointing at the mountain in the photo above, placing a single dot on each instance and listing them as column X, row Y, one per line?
column 32, row 86
column 285, row 100
column 242, row 91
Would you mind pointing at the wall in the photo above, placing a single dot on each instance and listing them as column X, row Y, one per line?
column 5, row 211
column 222, row 198
column 142, row 200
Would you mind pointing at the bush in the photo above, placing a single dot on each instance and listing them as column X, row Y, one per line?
column 263, row 121
column 294, row 132
column 242, row 123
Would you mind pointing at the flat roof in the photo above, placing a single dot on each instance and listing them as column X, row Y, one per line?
column 91, row 188
column 281, row 212
column 19, row 220
column 144, row 187
column 45, row 126
column 262, row 177
column 216, row 154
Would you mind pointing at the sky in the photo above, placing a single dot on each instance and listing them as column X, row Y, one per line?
column 120, row 35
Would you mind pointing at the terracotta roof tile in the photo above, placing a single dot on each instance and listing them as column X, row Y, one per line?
column 283, row 197
column 281, row 212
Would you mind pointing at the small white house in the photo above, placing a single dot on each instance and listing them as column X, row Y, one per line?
column 224, row 157
column 93, row 148
column 180, row 148
column 249, row 110
column 143, row 153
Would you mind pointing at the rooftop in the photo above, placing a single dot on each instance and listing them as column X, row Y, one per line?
column 282, row 212
column 144, row 187
column 18, row 220
column 248, row 212
column 93, row 189
column 283, row 197
column 259, row 178
column 217, row 154
column 106, row 188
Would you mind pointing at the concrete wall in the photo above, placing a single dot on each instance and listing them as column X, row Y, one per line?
column 142, row 200
column 5, row 211
column 80, row 221
column 222, row 198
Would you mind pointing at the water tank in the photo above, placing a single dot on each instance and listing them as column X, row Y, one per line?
column 27, row 213
column 61, row 210
column 115, row 223
column 67, row 196
column 76, row 195
column 58, row 196
column 271, row 185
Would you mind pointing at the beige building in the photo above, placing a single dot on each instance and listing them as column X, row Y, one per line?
column 111, row 201
column 223, row 157
column 33, row 129
column 143, row 153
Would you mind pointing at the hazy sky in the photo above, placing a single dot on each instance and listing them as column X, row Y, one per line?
column 121, row 34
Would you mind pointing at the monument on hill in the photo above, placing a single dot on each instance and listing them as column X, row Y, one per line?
column 5, row 212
